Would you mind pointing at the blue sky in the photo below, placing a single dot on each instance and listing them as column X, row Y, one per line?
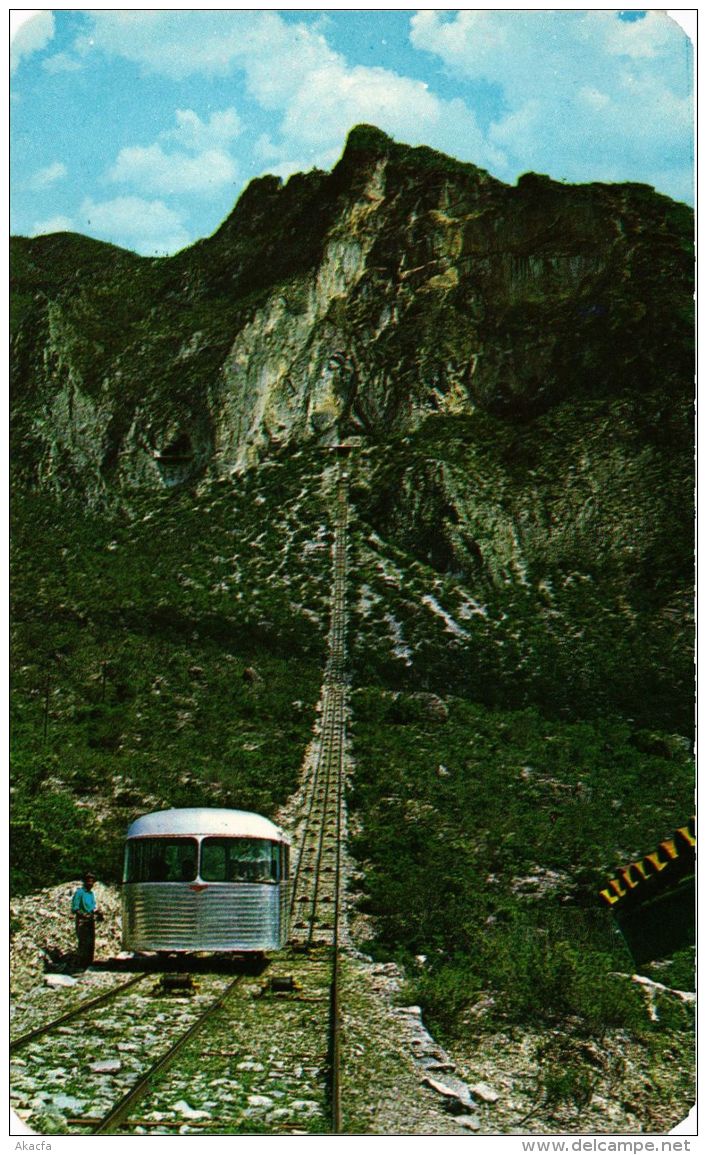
column 142, row 127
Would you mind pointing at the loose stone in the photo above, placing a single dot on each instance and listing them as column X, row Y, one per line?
column 260, row 1101
column 471, row 1122
column 457, row 1098
column 68, row 1102
column 483, row 1091
column 190, row 1112
column 106, row 1066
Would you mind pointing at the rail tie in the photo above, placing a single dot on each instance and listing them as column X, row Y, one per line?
column 76, row 1013
column 122, row 1109
column 318, row 883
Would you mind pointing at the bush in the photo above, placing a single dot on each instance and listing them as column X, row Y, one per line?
column 453, row 821
column 445, row 994
column 131, row 632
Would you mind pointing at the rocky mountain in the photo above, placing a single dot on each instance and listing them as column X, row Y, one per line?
column 399, row 286
column 527, row 350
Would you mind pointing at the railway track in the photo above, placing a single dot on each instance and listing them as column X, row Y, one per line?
column 125, row 1107
column 77, row 1012
column 258, row 1053
column 316, row 885
column 316, row 893
column 101, row 1050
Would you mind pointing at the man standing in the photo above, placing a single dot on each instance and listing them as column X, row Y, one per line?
column 83, row 905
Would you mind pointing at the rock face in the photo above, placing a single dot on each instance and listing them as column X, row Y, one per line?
column 516, row 363
column 402, row 284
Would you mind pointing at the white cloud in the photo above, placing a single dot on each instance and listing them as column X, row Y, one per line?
column 147, row 226
column 587, row 95
column 221, row 129
column 172, row 42
column 154, row 170
column 46, row 177
column 57, row 224
column 32, row 35
column 335, row 97
column 593, row 97
column 202, row 165
column 61, row 62
column 647, row 38
column 290, row 70
column 535, row 53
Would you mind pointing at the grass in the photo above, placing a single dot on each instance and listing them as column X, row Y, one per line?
column 485, row 842
column 131, row 635
column 483, row 839
column 563, row 553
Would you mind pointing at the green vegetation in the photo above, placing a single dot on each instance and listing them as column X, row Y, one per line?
column 486, row 839
column 561, row 552
column 485, row 822
column 521, row 557
column 131, row 637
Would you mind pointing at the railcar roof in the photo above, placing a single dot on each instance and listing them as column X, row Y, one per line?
column 206, row 820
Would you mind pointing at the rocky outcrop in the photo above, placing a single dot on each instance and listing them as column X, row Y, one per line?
column 401, row 285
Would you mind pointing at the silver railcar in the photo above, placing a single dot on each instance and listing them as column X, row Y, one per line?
column 205, row 880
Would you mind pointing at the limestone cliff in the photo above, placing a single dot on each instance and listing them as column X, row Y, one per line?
column 401, row 285
column 517, row 362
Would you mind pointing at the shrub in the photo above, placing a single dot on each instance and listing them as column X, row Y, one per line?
column 445, row 993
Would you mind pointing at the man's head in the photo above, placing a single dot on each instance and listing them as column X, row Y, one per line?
column 88, row 880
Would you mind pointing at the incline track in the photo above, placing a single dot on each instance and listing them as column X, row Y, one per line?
column 295, row 1012
column 316, row 887
column 78, row 1012
column 316, row 893
column 59, row 1070
column 123, row 1109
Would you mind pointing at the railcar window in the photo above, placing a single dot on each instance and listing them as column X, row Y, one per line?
column 161, row 860
column 239, row 860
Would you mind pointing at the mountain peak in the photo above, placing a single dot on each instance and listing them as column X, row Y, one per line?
column 366, row 142
column 368, row 138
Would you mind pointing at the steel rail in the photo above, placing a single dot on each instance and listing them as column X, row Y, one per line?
column 299, row 870
column 320, row 817
column 318, row 857
column 314, row 842
column 334, row 1016
column 76, row 1013
column 333, row 795
column 317, row 803
column 323, row 828
column 118, row 1114
column 318, row 789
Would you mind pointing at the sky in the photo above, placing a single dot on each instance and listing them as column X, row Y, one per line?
column 142, row 127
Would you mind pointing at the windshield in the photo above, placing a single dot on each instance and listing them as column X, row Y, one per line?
column 161, row 860
column 240, row 860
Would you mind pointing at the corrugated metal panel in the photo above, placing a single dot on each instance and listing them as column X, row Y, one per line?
column 222, row 916
column 285, row 889
column 206, row 820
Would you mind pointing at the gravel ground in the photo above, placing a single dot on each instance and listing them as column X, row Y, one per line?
column 42, row 928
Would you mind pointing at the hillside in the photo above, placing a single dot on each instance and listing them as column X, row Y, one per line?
column 517, row 364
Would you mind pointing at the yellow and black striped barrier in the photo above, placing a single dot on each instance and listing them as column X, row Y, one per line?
column 653, row 898
column 679, row 849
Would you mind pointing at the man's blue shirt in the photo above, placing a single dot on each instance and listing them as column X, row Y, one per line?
column 83, row 902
